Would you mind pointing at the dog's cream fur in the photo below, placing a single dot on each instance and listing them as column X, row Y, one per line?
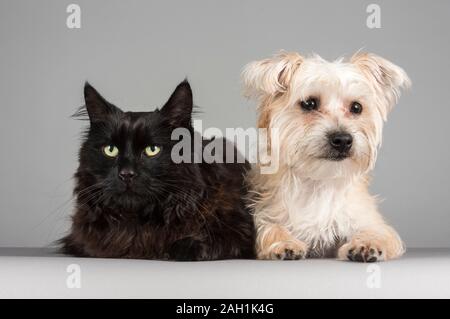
column 313, row 206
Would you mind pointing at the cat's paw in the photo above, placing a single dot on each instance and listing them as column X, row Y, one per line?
column 361, row 251
column 186, row 249
column 286, row 250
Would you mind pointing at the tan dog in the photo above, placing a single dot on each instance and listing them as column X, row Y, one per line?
column 329, row 117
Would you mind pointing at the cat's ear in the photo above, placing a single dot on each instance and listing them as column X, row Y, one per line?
column 178, row 109
column 96, row 106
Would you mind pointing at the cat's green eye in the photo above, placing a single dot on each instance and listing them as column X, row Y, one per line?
column 111, row 151
column 152, row 150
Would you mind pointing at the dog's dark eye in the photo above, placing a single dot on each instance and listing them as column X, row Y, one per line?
column 310, row 104
column 356, row 108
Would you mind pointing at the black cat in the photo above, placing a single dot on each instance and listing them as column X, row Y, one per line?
column 133, row 201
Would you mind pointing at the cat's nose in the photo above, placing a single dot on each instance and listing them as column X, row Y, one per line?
column 127, row 175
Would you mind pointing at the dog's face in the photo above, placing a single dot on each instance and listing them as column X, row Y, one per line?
column 329, row 115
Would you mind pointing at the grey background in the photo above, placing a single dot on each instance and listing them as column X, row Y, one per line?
column 135, row 52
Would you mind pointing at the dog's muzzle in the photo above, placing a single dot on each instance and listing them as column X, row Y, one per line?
column 340, row 144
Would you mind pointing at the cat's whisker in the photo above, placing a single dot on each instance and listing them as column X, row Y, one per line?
column 62, row 208
column 200, row 204
column 195, row 202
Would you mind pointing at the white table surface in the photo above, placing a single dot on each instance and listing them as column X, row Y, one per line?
column 40, row 273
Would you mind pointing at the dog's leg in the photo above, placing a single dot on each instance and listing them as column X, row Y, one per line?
column 275, row 242
column 373, row 244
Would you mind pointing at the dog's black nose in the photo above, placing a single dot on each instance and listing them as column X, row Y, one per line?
column 341, row 142
column 127, row 175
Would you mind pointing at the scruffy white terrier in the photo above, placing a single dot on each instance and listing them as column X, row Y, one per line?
column 329, row 117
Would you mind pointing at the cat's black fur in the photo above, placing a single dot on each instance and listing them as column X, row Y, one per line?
column 168, row 211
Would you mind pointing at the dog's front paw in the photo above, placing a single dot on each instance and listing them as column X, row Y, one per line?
column 286, row 250
column 366, row 252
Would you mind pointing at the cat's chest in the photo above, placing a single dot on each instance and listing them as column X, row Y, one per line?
column 112, row 236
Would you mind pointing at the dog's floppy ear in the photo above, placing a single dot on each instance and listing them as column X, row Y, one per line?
column 270, row 77
column 388, row 79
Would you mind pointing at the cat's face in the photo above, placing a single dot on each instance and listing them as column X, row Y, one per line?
column 127, row 155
